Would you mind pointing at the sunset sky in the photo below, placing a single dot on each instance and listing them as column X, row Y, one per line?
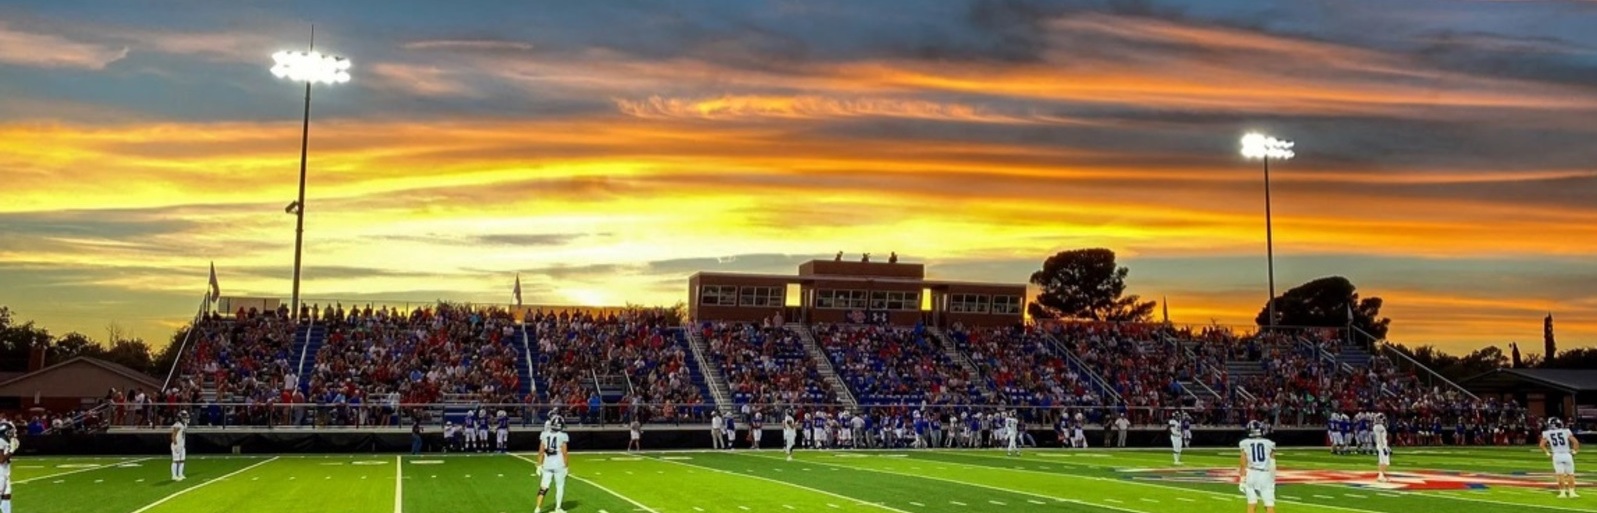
column 1446, row 158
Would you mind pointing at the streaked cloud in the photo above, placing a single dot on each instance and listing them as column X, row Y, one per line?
column 23, row 48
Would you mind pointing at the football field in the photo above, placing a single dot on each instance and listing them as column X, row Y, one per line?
column 1442, row 479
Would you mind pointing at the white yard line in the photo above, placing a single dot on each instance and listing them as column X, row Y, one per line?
column 199, row 486
column 399, row 484
column 783, row 483
column 629, row 500
column 81, row 470
column 1217, row 495
column 1488, row 501
column 967, row 483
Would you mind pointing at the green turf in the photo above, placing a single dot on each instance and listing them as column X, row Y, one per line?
column 1090, row 481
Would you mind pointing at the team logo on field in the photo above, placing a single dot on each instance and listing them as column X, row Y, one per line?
column 1421, row 480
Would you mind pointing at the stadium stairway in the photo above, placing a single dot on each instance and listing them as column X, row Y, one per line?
column 524, row 362
column 719, row 392
column 824, row 364
column 963, row 360
column 308, row 341
column 1194, row 385
column 1094, row 380
column 697, row 371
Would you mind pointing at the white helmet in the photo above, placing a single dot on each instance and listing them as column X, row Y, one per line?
column 502, row 414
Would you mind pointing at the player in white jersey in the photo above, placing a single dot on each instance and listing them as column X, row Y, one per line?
column 179, row 444
column 637, row 437
column 789, row 434
column 469, row 428
column 553, row 449
column 1561, row 444
column 1256, row 469
column 8, row 447
column 716, row 433
column 1012, row 433
column 1383, row 451
column 1175, row 438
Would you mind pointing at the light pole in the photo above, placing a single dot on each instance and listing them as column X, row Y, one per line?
column 1263, row 147
column 310, row 67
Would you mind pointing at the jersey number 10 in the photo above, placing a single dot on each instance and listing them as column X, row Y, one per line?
column 1259, row 456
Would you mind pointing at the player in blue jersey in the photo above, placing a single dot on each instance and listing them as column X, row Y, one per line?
column 484, row 443
column 504, row 432
column 1331, row 435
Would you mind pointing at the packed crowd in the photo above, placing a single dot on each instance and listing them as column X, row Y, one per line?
column 887, row 365
column 372, row 361
column 1022, row 365
column 641, row 345
column 765, row 365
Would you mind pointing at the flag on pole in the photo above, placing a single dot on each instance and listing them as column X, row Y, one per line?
column 1165, row 300
column 518, row 289
column 216, row 290
column 1350, row 313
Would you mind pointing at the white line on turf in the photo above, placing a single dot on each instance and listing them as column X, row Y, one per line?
column 175, row 495
column 1184, row 499
column 998, row 503
column 788, row 507
column 957, row 503
column 1219, row 496
column 1521, row 504
column 769, row 480
column 399, row 484
column 601, row 488
column 917, row 504
column 90, row 469
column 1035, row 501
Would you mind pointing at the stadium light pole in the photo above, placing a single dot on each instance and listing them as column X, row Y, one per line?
column 310, row 67
column 1264, row 148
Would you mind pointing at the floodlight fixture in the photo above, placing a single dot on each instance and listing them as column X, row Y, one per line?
column 311, row 67
column 1259, row 146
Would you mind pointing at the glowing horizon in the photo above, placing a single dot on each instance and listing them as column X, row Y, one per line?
column 976, row 137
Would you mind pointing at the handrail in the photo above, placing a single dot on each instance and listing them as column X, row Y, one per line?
column 1388, row 346
column 1071, row 356
column 199, row 314
column 526, row 351
column 304, row 352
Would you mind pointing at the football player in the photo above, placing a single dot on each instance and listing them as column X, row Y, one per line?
column 1256, row 469
column 789, row 434
column 482, row 430
column 1383, row 450
column 756, row 425
column 504, row 431
column 469, row 427
column 1560, row 444
column 8, row 447
column 1175, row 438
column 179, row 444
column 1012, row 433
column 553, row 449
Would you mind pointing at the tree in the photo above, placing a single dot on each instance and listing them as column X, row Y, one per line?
column 16, row 340
column 72, row 346
column 134, row 354
column 1086, row 284
column 1324, row 303
column 1581, row 358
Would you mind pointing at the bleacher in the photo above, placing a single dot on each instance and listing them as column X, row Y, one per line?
column 885, row 365
column 765, row 366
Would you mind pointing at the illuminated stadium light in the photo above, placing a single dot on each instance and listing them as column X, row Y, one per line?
column 1263, row 147
column 1259, row 146
column 311, row 67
